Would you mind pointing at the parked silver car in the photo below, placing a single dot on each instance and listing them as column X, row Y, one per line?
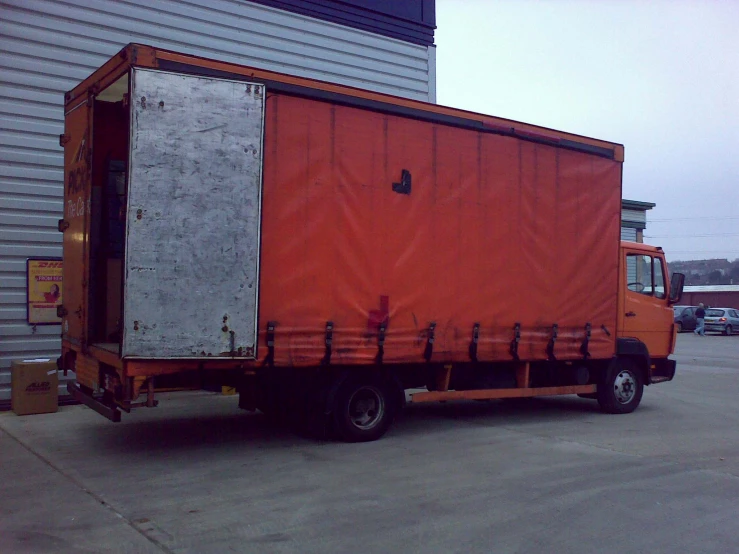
column 723, row 320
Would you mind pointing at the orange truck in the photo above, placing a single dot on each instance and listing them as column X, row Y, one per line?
column 324, row 249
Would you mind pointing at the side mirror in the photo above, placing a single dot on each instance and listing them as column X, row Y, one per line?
column 677, row 281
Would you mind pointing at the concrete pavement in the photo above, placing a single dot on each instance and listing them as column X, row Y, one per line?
column 196, row 475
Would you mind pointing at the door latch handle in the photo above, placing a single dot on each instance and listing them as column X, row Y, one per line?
column 630, row 314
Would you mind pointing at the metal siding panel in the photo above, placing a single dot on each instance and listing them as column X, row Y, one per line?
column 410, row 20
column 631, row 273
column 31, row 110
column 192, row 246
column 34, row 81
column 26, row 62
column 22, row 220
column 32, row 235
column 628, row 233
column 18, row 140
column 10, row 313
column 31, row 97
column 432, row 73
column 634, row 216
column 46, row 47
column 32, row 127
column 36, row 190
column 276, row 40
column 11, row 330
column 33, row 206
column 37, row 343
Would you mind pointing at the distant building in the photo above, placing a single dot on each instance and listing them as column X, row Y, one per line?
column 719, row 296
column 634, row 219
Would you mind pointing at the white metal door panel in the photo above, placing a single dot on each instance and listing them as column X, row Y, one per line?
column 194, row 199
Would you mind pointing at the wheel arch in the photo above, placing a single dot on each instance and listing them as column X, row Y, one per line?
column 342, row 375
column 636, row 351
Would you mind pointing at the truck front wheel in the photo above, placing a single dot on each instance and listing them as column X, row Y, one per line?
column 364, row 409
column 621, row 390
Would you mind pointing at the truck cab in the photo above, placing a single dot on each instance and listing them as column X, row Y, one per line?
column 646, row 329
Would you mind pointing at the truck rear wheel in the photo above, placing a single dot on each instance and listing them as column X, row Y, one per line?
column 622, row 389
column 364, row 409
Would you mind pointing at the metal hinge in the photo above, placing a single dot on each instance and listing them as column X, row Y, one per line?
column 62, row 225
column 64, row 139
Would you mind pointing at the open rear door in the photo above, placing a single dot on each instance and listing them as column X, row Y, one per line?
column 76, row 222
column 193, row 217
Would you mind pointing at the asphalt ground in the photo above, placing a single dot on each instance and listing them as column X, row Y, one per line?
column 197, row 475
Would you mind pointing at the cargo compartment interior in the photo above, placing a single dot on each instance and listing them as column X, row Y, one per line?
column 110, row 136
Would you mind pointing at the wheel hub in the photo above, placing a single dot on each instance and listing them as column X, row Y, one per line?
column 624, row 387
column 366, row 408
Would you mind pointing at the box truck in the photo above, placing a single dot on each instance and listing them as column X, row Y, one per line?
column 324, row 249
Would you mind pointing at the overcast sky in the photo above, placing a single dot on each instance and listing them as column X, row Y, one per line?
column 659, row 77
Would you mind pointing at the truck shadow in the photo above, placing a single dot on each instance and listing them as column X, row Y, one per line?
column 418, row 418
column 164, row 433
column 196, row 432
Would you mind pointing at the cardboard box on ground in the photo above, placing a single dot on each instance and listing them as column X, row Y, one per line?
column 34, row 386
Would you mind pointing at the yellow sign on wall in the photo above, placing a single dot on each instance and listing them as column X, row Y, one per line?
column 43, row 290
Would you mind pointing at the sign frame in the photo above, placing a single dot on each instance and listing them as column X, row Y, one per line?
column 29, row 261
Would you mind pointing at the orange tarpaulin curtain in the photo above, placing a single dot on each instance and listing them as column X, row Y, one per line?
column 495, row 230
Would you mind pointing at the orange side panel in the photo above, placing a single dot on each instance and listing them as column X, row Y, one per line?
column 77, row 172
column 496, row 230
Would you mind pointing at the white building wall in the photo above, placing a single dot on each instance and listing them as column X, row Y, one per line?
column 47, row 47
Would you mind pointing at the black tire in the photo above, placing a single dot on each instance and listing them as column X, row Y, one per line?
column 679, row 327
column 728, row 331
column 621, row 390
column 364, row 408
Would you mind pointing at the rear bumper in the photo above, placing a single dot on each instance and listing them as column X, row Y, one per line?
column 103, row 409
column 721, row 327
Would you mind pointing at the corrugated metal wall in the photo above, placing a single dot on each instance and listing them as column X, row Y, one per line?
column 46, row 47
column 636, row 217
column 628, row 233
